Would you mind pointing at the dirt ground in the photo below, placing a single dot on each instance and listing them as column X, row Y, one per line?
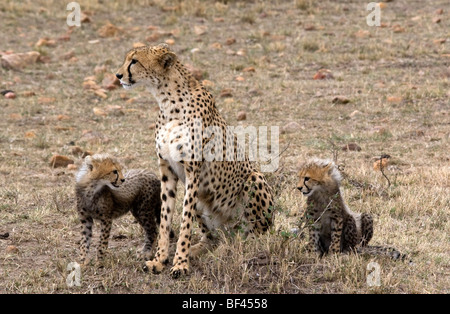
column 316, row 69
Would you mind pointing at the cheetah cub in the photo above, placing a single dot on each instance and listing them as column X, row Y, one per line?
column 333, row 226
column 104, row 193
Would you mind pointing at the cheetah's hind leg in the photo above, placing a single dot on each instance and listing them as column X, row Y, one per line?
column 257, row 196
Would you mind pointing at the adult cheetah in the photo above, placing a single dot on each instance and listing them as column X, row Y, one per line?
column 216, row 189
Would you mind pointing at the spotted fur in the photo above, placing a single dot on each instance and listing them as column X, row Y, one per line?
column 104, row 193
column 216, row 192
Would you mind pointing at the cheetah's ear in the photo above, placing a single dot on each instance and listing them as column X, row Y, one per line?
column 167, row 60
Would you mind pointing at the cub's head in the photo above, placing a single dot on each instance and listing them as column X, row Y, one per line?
column 146, row 65
column 101, row 168
column 318, row 174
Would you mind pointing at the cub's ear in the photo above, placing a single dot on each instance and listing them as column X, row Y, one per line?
column 167, row 60
column 88, row 161
column 328, row 167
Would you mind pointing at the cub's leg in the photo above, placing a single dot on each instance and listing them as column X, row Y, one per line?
column 314, row 238
column 349, row 235
column 168, row 192
column 366, row 229
column 259, row 204
column 205, row 241
column 336, row 233
column 86, row 237
column 148, row 215
column 105, row 225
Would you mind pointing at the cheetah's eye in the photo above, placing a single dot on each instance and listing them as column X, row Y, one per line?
column 306, row 179
column 115, row 172
column 133, row 61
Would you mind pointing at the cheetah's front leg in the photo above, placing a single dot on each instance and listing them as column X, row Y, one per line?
column 168, row 193
column 181, row 258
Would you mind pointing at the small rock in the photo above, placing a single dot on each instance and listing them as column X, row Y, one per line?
column 351, row 147
column 101, row 93
column 439, row 41
column 4, row 235
column 110, row 81
column 394, row 99
column 57, row 161
column 18, row 61
column 170, row 41
column 12, row 249
column 226, row 93
column 340, row 100
column 242, row 115
column 216, row 46
column 99, row 112
column 241, row 52
column 291, row 127
column 398, row 29
column 230, row 41
column 240, row 78
column 200, row 29
column 152, row 126
column 382, row 162
column 10, row 95
column 153, row 37
column 249, row 69
column 323, row 74
column 46, row 100
column 28, row 94
column 108, row 30
column 30, row 134
column 45, row 42
column 355, row 113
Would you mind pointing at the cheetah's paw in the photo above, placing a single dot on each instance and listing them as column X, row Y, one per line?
column 179, row 270
column 155, row 266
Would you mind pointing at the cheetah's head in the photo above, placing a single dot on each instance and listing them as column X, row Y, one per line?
column 316, row 175
column 146, row 65
column 102, row 169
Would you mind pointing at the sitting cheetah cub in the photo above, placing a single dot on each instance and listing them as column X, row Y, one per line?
column 333, row 226
column 104, row 193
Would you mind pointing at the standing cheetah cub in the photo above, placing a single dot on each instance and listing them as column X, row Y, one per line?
column 104, row 193
column 333, row 226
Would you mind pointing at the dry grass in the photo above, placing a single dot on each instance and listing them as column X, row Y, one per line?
column 369, row 65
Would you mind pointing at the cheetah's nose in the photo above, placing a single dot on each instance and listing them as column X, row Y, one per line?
column 299, row 188
column 119, row 76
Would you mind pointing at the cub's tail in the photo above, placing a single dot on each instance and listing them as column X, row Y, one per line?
column 383, row 251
